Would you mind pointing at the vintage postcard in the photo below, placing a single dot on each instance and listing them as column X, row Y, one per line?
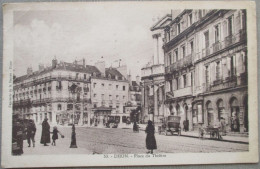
column 129, row 83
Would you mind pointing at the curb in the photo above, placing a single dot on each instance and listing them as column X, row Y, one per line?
column 230, row 141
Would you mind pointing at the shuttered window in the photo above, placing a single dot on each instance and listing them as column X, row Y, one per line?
column 218, row 71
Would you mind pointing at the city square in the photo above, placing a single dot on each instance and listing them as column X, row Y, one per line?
column 125, row 141
column 192, row 83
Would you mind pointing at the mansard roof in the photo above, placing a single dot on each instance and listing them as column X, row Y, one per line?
column 61, row 66
column 113, row 72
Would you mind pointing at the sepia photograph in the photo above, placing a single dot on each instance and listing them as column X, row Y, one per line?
column 129, row 83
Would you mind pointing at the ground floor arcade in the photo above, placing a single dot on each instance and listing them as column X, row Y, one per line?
column 208, row 109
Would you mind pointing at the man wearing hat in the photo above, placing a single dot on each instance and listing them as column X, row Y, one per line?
column 30, row 132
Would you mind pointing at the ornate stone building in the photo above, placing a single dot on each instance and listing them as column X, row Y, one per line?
column 101, row 93
column 46, row 93
column 206, row 68
column 153, row 91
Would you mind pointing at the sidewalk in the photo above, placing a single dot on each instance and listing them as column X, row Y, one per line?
column 194, row 134
column 62, row 144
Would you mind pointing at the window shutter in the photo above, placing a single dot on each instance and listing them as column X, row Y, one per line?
column 174, row 84
column 180, row 82
column 238, row 22
column 174, row 30
column 188, row 79
column 211, row 36
column 213, row 71
column 225, row 29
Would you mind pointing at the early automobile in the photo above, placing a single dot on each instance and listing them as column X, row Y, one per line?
column 170, row 124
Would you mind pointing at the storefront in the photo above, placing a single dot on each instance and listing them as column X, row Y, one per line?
column 100, row 116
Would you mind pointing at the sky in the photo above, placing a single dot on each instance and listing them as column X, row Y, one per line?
column 113, row 34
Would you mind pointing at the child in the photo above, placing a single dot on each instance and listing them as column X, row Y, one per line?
column 55, row 135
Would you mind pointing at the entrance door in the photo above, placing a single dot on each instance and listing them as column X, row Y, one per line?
column 235, row 126
column 210, row 117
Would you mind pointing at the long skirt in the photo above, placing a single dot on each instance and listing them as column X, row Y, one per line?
column 151, row 142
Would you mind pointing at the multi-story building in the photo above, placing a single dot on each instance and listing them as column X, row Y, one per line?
column 100, row 92
column 109, row 93
column 153, row 76
column 206, row 67
column 133, row 106
column 46, row 93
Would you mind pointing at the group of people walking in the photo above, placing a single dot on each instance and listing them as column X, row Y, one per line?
column 26, row 130
column 45, row 138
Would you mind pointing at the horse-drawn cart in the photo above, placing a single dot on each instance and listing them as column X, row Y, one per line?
column 171, row 124
column 213, row 132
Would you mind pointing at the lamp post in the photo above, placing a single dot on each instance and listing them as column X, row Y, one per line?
column 74, row 89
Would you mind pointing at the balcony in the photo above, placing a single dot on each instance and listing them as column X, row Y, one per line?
column 221, row 84
column 229, row 40
column 205, row 52
column 243, row 78
column 220, row 45
column 25, row 102
column 180, row 64
column 182, row 92
column 216, row 46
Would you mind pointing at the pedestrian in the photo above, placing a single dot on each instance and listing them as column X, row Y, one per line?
column 55, row 135
column 185, row 125
column 135, row 127
column 30, row 133
column 150, row 139
column 221, row 127
column 18, row 138
column 45, row 138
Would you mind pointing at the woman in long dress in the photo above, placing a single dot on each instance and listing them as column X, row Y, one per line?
column 150, row 139
column 45, row 132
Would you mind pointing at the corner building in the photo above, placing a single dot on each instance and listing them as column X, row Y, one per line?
column 206, row 68
column 46, row 93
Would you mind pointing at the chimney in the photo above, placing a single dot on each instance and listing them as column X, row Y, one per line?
column 129, row 78
column 101, row 67
column 84, row 63
column 138, row 79
column 41, row 67
column 29, row 71
column 123, row 70
column 54, row 63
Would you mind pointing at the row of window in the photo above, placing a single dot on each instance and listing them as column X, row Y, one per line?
column 110, row 86
column 186, row 21
column 176, row 55
column 109, row 96
column 181, row 82
column 219, row 31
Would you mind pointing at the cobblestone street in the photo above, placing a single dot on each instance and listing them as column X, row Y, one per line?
column 105, row 141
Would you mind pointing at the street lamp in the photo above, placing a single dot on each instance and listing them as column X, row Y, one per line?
column 73, row 89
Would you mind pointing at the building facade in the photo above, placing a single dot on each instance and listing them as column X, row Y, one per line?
column 109, row 95
column 206, row 68
column 46, row 93
column 153, row 91
column 99, row 94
